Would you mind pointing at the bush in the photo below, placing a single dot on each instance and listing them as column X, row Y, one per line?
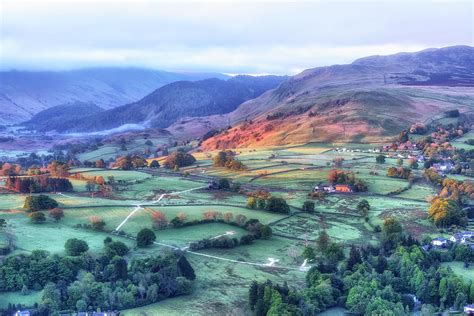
column 185, row 268
column 75, row 247
column 178, row 159
column 224, row 184
column 277, row 205
column 116, row 248
column 56, row 214
column 39, row 203
column 403, row 173
column 227, row 159
column 246, row 239
column 37, row 217
column 308, row 207
column 97, row 223
column 177, row 222
column 380, row 159
column 145, row 237
column 265, row 232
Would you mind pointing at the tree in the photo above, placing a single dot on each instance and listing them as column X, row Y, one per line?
column 58, row 169
column 176, row 222
column 213, row 215
column 124, row 163
column 265, row 231
column 139, row 162
column 185, row 268
column 90, row 185
column 412, row 163
column 323, row 240
column 39, row 203
column 261, row 203
column 394, row 172
column 240, row 219
column 380, row 159
column 277, row 205
column 159, row 219
column 354, row 258
column 221, row 158
column 178, row 159
column 37, row 217
column 228, row 217
column 445, row 212
column 76, row 247
column 308, row 207
column 100, row 163
column 120, row 271
column 97, row 223
column 56, row 214
column 116, row 248
column 154, row 164
column 363, row 208
column 334, row 252
column 224, row 184
column 391, row 226
column 145, row 237
column 227, row 159
column 99, row 180
column 251, row 202
column 253, row 294
column 308, row 253
column 51, row 297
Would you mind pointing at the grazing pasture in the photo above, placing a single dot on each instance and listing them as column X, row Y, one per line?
column 223, row 275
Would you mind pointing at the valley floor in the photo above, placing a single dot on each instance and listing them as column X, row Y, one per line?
column 223, row 275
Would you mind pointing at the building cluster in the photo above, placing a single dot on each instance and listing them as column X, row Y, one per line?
column 330, row 188
column 458, row 238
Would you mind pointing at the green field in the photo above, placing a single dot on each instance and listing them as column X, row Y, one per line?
column 223, row 275
column 18, row 298
column 124, row 175
column 458, row 268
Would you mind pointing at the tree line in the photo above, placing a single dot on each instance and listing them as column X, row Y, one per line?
column 373, row 280
column 83, row 282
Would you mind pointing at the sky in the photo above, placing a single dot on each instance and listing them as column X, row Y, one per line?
column 254, row 37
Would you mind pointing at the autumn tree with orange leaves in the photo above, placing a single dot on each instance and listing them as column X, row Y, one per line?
column 446, row 212
column 159, row 219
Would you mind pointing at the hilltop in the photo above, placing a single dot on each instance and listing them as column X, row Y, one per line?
column 369, row 100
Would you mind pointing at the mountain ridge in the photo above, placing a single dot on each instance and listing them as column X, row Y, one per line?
column 166, row 104
column 361, row 101
column 25, row 93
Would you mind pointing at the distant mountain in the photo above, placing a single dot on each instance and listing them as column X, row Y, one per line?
column 25, row 93
column 369, row 100
column 55, row 117
column 167, row 104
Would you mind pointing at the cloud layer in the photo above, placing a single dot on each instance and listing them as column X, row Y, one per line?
column 244, row 37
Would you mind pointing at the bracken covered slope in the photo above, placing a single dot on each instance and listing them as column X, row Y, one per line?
column 369, row 100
